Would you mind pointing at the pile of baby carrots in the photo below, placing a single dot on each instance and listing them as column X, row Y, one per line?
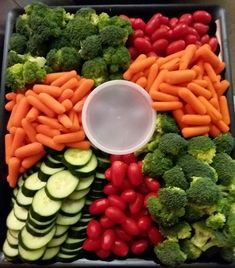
column 188, row 84
column 47, row 115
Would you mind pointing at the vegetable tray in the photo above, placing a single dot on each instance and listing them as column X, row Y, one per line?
column 144, row 11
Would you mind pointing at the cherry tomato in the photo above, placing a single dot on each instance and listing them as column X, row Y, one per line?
column 122, row 235
column 129, row 158
column 160, row 46
column 99, row 206
column 139, row 246
column 133, row 52
column 135, row 175
column 120, row 248
column 106, row 222
column 130, row 226
column 180, row 31
column 118, row 170
column 137, row 24
column 164, row 20
column 160, row 33
column 116, row 201
column 202, row 16
column 147, row 197
column 91, row 244
column 94, row 229
column 110, row 189
column 103, row 254
column 153, row 24
column 186, row 18
column 205, row 39
column 137, row 205
column 213, row 42
column 173, row 22
column 144, row 223
column 114, row 157
column 126, row 185
column 154, row 235
column 190, row 39
column 201, row 28
column 115, row 214
column 128, row 196
column 142, row 188
column 138, row 33
column 107, row 239
column 175, row 47
column 193, row 31
column 152, row 184
column 108, row 174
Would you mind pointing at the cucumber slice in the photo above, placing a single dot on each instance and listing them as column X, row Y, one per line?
column 76, row 195
column 40, row 224
column 22, row 200
column 60, row 230
column 78, row 233
column 21, row 213
column 100, row 175
column 72, row 206
column 9, row 251
column 51, row 162
column 43, row 207
column 50, row 253
column 46, row 171
column 61, row 185
column 74, row 157
column 13, row 242
column 32, row 242
column 31, row 255
column 89, row 168
column 73, row 243
column 68, row 220
column 38, row 232
column 71, row 251
column 15, row 192
column 32, row 184
column 14, row 233
column 57, row 241
column 83, row 222
column 62, row 257
column 84, row 183
column 20, row 181
column 13, row 223
column 103, row 163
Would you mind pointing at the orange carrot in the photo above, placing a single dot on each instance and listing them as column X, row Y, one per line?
column 140, row 58
column 159, row 96
column 189, row 132
column 127, row 75
column 8, row 144
column 79, row 105
column 188, row 109
column 191, row 99
column 51, row 90
column 11, row 96
column 210, row 86
column 32, row 114
column 49, row 142
column 76, row 124
column 10, row 120
column 47, row 130
column 221, row 87
column 29, row 150
column 19, row 96
column 166, row 106
column 71, row 83
column 215, row 102
column 68, row 105
column 70, row 137
column 223, row 103
column 65, row 120
column 142, row 81
column 196, row 119
column 201, row 82
column 13, row 171
column 64, row 78
column 179, row 77
column 170, row 89
column 161, row 61
column 153, row 72
column 178, row 114
column 210, row 72
column 200, row 63
column 10, row 105
column 171, row 65
column 18, row 140
column 30, row 161
column 35, row 102
column 159, row 79
column 29, row 130
column 84, row 145
column 82, row 90
column 214, row 131
column 51, row 103
column 139, row 66
column 22, row 169
column 219, row 68
column 30, row 92
column 137, row 76
column 199, row 91
column 198, row 72
column 66, row 94
column 51, row 122
column 146, row 72
column 49, row 78
column 215, row 115
column 21, row 111
column 187, row 56
column 224, row 128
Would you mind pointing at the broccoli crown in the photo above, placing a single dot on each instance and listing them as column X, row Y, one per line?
column 64, row 59
column 169, row 253
column 172, row 144
column 18, row 43
column 154, row 142
column 166, row 124
column 193, row 213
column 172, row 197
column 216, row 221
column 156, row 163
column 181, row 230
column 175, row 177
column 113, row 36
column 194, row 167
column 117, row 58
column 115, row 76
column 230, row 226
column 91, row 47
column 202, row 148
column 88, row 14
column 60, row 42
column 122, row 23
column 22, row 25
column 203, row 191
column 13, row 58
column 228, row 254
column 95, row 69
column 225, row 168
column 224, row 143
column 14, row 77
column 192, row 252
column 33, row 73
column 103, row 20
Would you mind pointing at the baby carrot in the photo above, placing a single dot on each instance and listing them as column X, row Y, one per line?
column 19, row 96
column 49, row 78
column 51, row 122
column 196, row 119
column 221, row 87
column 142, row 81
column 223, row 103
column 198, row 72
column 215, row 115
column 10, row 96
column 140, row 58
column 191, row 99
column 29, row 150
column 79, row 105
column 136, row 76
column 141, row 65
column 170, row 89
column 84, row 145
column 210, row 86
column 215, row 102
column 153, row 72
column 49, row 142
column 161, row 61
column 52, row 103
column 178, row 114
column 64, row 78
column 179, row 77
column 18, row 140
column 146, row 72
column 32, row 114
column 29, row 130
column 76, row 124
column 159, row 79
column 66, row 94
column 82, row 90
column 10, row 120
column 8, row 144
column 68, row 105
column 30, row 92
column 30, row 161
column 187, row 56
column 210, row 72
column 70, row 137
column 13, row 171
column 189, row 132
column 171, row 65
column 166, row 106
column 127, row 75
column 201, row 82
column 71, row 83
column 46, row 130
column 214, row 131
column 219, row 68
column 10, row 105
column 199, row 91
column 21, row 111
column 51, row 90
column 188, row 109
column 159, row 96
column 65, row 120
column 224, row 128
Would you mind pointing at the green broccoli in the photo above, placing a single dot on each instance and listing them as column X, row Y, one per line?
column 175, row 177
column 91, row 47
column 229, row 228
column 225, row 168
column 103, row 20
column 181, row 230
column 13, row 58
column 22, row 25
column 18, row 43
column 202, row 148
column 224, row 143
column 33, row 73
column 216, row 221
column 172, row 144
column 172, row 197
column 14, row 77
column 203, row 191
column 192, row 252
column 169, row 253
column 95, row 69
column 60, row 42
column 151, row 146
column 193, row 213
column 228, row 254
column 113, row 36
column 88, row 14
column 117, row 58
column 64, row 59
column 115, row 76
column 122, row 23
column 156, row 163
column 166, row 124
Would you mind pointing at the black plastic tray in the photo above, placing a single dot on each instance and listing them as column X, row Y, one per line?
column 144, row 11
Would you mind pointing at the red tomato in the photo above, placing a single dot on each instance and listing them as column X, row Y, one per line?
column 91, row 244
column 133, row 52
column 128, row 196
column 108, row 174
column 202, row 16
column 130, row 227
column 160, row 33
column 118, row 170
column 144, row 223
column 160, row 46
column 137, row 24
column 201, row 28
column 164, row 20
column 94, row 229
column 115, row 214
column 213, row 42
column 155, row 236
column 139, row 214
column 152, row 184
column 137, row 205
column 138, row 33
column 110, row 189
column 114, row 157
column 116, row 201
column 122, row 235
column 129, row 158
column 190, row 39
column 140, row 163
column 153, row 24
column 147, row 197
column 103, row 254
column 120, row 248
column 107, row 239
column 135, row 175
column 186, row 18
column 126, row 185
column 139, row 246
column 99, row 206
column 173, row 22
column 175, row 47
column 193, row 31
column 142, row 188
column 205, row 39
column 180, row 31
column 106, row 222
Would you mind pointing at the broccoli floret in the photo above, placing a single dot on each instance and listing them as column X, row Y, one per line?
column 228, row 254
column 22, row 25
column 203, row 191
column 181, row 230
column 172, row 197
column 33, row 73
column 88, row 14
column 103, row 20
column 156, row 163
column 60, row 42
column 115, row 76
column 193, row 213
column 91, row 47
column 14, row 77
column 229, row 228
column 175, row 177
column 192, row 252
column 117, row 58
column 64, row 59
column 216, row 221
column 172, row 144
column 169, row 253
column 18, row 43
column 113, row 36
column 166, row 124
column 95, row 69
column 194, row 167
column 202, row 148
column 225, row 168
column 154, row 142
column 224, row 143
column 123, row 23
column 13, row 58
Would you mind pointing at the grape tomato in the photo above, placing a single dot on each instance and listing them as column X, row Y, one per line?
column 202, row 16
column 94, row 229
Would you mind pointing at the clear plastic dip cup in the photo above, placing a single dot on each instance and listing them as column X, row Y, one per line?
column 118, row 118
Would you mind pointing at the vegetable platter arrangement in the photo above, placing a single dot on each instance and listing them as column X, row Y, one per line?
column 169, row 203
